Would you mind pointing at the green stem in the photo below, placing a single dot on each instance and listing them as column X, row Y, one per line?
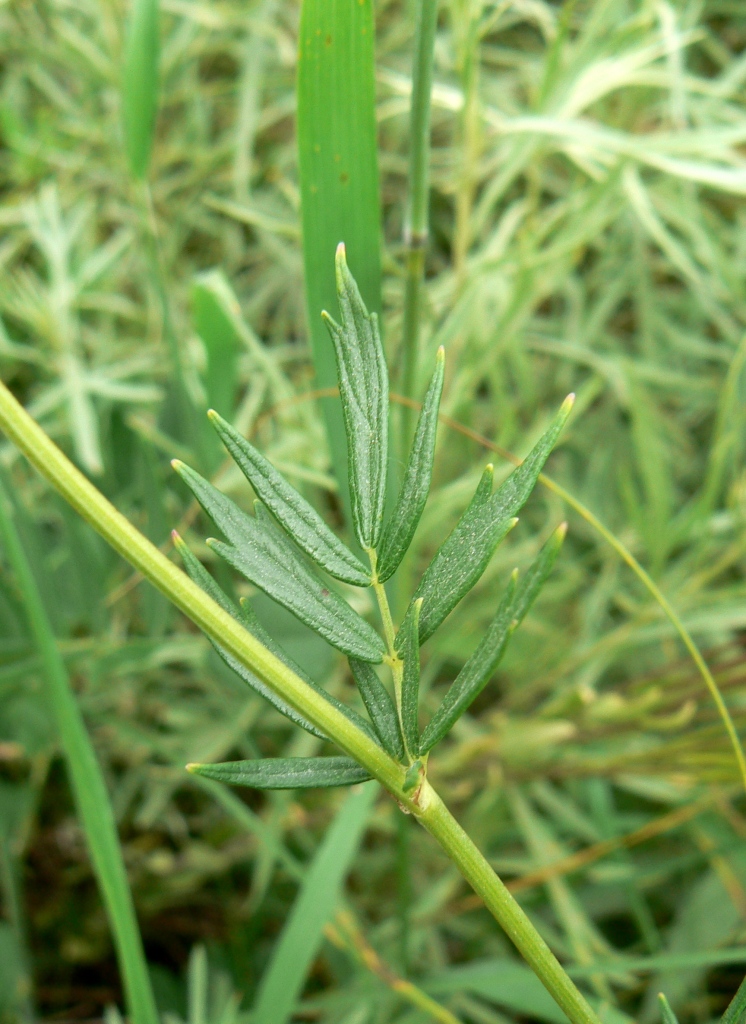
column 87, row 781
column 415, row 231
column 424, row 803
column 441, row 824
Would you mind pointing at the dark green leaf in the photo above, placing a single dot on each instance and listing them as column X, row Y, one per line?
column 203, row 579
column 475, row 674
column 667, row 1014
column 464, row 556
column 408, row 644
column 285, row 772
column 249, row 617
column 266, row 556
column 381, row 707
column 364, row 390
column 302, row 522
column 480, row 667
column 397, row 536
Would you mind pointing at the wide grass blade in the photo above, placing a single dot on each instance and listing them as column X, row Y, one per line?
column 292, row 510
column 285, row 772
column 140, row 84
column 338, row 166
column 87, row 783
column 266, row 556
column 364, row 390
column 297, row 948
column 415, row 487
column 380, row 707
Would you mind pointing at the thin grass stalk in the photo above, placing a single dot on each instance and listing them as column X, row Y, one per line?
column 87, row 782
column 424, row 804
column 416, row 223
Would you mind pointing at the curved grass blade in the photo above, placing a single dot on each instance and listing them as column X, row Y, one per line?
column 285, row 772
column 266, row 556
column 140, row 84
column 399, row 530
column 86, row 781
column 409, row 650
column 737, row 1007
column 465, row 554
column 202, row 577
column 364, row 390
column 479, row 668
column 338, row 177
column 380, row 706
column 302, row 522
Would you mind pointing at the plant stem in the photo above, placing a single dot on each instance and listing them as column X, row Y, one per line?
column 440, row 823
column 415, row 230
column 424, row 804
column 87, row 781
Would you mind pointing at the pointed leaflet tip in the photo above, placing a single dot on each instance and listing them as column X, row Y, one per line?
column 568, row 403
column 177, row 464
column 193, row 767
column 561, row 531
column 212, row 415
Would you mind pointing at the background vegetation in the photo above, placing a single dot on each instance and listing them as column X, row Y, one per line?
column 587, row 234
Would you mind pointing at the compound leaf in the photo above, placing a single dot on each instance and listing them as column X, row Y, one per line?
column 266, row 556
column 464, row 555
column 364, row 390
column 399, row 530
column 285, row 772
column 302, row 522
column 380, row 706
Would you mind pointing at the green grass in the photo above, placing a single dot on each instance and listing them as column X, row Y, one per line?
column 586, row 234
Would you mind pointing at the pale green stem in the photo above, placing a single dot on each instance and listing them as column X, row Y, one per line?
column 415, row 230
column 393, row 660
column 87, row 783
column 424, row 804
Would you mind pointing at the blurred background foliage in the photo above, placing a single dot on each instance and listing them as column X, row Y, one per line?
column 588, row 233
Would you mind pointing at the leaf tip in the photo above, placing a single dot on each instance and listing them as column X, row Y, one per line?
column 440, row 355
column 177, row 539
column 178, row 465
column 212, row 416
column 561, row 532
column 513, row 523
column 568, row 403
column 341, row 253
column 193, row 768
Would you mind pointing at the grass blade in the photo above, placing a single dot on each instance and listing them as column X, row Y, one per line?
column 737, row 1006
column 338, row 167
column 210, row 296
column 380, row 706
column 87, row 783
column 298, row 945
column 302, row 521
column 399, row 531
column 140, row 84
column 266, row 556
column 364, row 390
column 285, row 772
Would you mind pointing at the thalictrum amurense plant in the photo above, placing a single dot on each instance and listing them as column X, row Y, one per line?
column 273, row 550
